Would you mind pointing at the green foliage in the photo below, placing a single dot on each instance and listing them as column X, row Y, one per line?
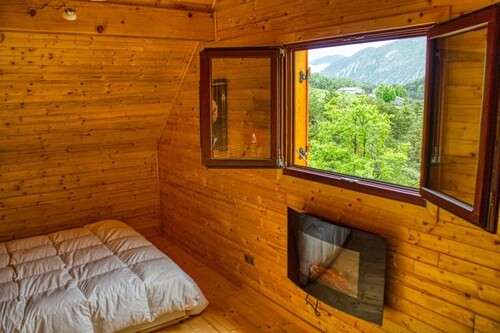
column 353, row 132
column 318, row 98
column 415, row 89
column 364, row 136
column 342, row 82
column 386, row 93
column 400, row 91
column 367, row 87
column 324, row 82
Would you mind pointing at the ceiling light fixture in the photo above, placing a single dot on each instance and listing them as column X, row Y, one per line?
column 69, row 14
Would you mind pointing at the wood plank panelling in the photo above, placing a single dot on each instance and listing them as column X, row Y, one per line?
column 107, row 19
column 79, row 123
column 443, row 273
column 201, row 5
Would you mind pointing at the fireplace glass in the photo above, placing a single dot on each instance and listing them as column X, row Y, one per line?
column 338, row 265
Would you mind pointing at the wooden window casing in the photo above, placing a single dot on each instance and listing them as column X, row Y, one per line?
column 240, row 130
column 483, row 209
column 294, row 167
column 449, row 158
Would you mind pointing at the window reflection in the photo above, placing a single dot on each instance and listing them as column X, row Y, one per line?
column 241, row 107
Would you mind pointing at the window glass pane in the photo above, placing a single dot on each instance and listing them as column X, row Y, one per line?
column 461, row 60
column 362, row 111
column 241, row 107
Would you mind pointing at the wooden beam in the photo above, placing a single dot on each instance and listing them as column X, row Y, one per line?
column 98, row 18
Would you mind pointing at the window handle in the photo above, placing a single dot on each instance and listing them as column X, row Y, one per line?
column 303, row 152
column 347, row 179
column 302, row 155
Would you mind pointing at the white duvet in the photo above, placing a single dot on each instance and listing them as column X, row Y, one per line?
column 100, row 278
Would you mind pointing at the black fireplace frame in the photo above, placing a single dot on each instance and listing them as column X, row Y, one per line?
column 372, row 251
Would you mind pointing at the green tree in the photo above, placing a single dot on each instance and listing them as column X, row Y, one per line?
column 367, row 87
column 318, row 98
column 350, row 136
column 386, row 93
column 323, row 82
column 342, row 82
column 320, row 82
column 400, row 91
column 358, row 136
column 364, row 136
column 415, row 89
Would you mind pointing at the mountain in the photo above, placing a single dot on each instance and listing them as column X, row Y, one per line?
column 327, row 59
column 399, row 62
column 319, row 64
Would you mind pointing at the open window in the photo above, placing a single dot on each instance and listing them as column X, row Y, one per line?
column 461, row 160
column 413, row 117
column 239, row 103
column 356, row 112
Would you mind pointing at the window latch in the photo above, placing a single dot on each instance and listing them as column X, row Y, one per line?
column 281, row 160
column 303, row 155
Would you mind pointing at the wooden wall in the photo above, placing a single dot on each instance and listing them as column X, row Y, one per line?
column 82, row 111
column 442, row 274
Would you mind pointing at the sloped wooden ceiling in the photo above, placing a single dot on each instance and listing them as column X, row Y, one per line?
column 82, row 110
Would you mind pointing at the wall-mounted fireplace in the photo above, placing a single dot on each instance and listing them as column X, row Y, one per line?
column 338, row 265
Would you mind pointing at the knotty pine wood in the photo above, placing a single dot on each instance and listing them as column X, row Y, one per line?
column 443, row 273
column 108, row 19
column 201, row 5
column 232, row 307
column 79, row 124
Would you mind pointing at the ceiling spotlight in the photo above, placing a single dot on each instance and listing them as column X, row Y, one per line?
column 69, row 14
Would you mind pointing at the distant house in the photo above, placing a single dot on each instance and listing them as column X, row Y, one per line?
column 399, row 101
column 351, row 90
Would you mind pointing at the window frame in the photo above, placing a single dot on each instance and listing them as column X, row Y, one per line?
column 484, row 210
column 206, row 56
column 374, row 187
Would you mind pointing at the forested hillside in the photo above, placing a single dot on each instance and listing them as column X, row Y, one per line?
column 375, row 134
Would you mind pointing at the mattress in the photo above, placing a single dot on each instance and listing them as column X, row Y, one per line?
column 103, row 277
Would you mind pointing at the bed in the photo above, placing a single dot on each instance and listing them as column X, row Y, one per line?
column 103, row 277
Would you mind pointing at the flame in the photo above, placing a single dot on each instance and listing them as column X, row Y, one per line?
column 331, row 277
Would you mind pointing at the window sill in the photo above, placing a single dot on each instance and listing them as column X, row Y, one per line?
column 380, row 189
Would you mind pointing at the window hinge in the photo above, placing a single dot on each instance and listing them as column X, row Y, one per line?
column 282, row 52
column 435, row 156
column 281, row 160
column 303, row 76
